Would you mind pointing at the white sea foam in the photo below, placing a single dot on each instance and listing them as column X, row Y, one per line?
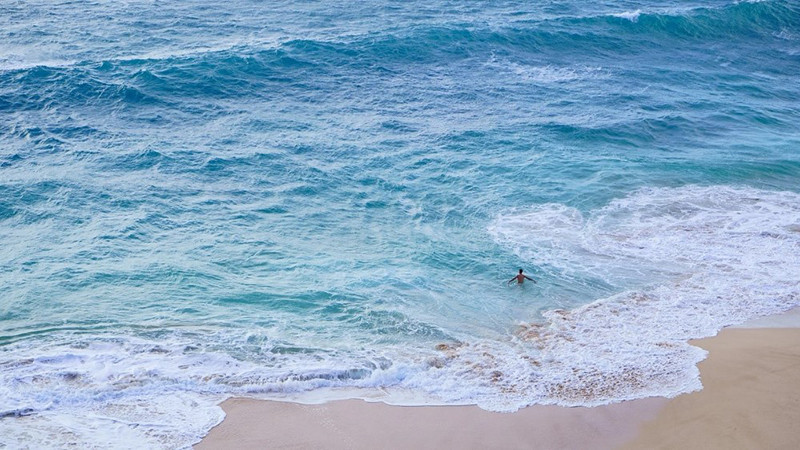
column 633, row 16
column 686, row 261
column 125, row 392
column 111, row 393
column 544, row 74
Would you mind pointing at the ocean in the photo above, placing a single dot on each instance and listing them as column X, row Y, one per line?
column 312, row 200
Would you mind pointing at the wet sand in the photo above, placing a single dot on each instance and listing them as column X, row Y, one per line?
column 356, row 424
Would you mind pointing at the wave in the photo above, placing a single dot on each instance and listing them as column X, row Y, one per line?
column 737, row 21
column 242, row 69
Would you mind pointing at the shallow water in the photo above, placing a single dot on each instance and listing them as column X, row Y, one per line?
column 304, row 200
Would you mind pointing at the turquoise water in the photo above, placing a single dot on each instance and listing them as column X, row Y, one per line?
column 310, row 200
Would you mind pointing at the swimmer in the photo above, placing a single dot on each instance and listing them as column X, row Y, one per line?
column 520, row 277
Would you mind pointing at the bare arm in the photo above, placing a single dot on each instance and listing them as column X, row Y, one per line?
column 530, row 278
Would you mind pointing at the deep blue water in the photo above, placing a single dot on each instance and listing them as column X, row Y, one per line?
column 317, row 200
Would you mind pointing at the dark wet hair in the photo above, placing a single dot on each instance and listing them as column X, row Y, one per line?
column 520, row 270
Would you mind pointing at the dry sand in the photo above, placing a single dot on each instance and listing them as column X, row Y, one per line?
column 750, row 397
column 750, row 400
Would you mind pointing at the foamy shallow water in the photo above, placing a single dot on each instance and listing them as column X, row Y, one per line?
column 309, row 202
column 702, row 257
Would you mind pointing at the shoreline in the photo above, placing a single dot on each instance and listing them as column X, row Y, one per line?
column 749, row 399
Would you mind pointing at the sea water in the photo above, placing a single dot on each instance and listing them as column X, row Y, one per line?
column 313, row 200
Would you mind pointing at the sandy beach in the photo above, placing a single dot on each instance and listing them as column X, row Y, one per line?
column 750, row 399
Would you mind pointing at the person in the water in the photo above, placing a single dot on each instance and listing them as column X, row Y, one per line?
column 520, row 277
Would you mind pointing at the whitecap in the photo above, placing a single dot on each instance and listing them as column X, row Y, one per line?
column 633, row 16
